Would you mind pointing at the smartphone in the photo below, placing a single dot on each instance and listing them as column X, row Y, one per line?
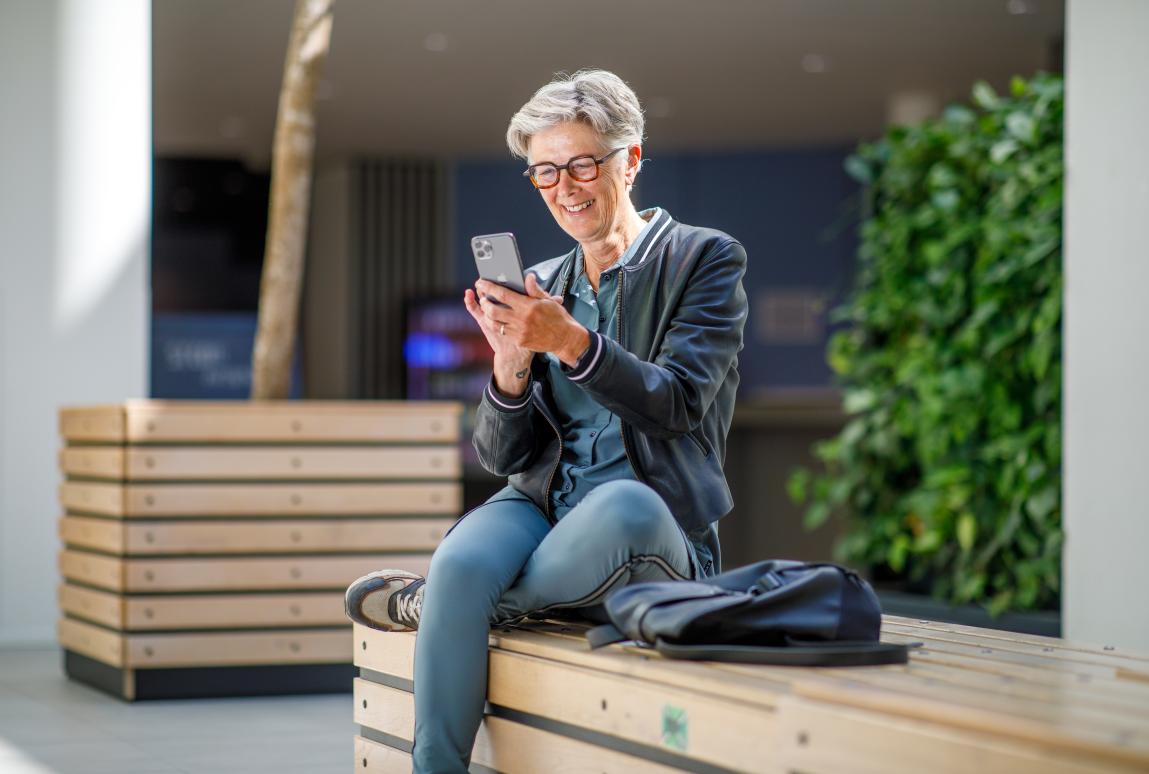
column 497, row 257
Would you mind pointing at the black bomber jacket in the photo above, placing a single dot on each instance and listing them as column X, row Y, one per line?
column 671, row 377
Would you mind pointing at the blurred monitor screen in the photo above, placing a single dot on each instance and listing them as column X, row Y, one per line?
column 445, row 353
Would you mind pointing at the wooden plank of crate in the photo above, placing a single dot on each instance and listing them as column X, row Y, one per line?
column 104, row 572
column 93, row 423
column 105, row 535
column 271, row 537
column 1013, row 646
column 502, row 745
column 374, row 758
column 254, row 463
column 91, row 641
column 329, row 572
column 93, row 461
column 202, row 611
column 233, row 611
column 229, row 574
column 300, row 646
column 289, row 499
column 158, row 500
column 91, row 605
column 92, row 497
column 292, row 421
column 817, row 738
column 1016, row 637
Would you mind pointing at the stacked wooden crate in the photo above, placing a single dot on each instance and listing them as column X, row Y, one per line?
column 969, row 700
column 207, row 546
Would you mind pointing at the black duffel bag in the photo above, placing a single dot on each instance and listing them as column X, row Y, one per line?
column 771, row 612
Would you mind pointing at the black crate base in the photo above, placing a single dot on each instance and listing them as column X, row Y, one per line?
column 209, row 682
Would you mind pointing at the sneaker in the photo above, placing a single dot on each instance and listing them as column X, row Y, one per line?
column 388, row 600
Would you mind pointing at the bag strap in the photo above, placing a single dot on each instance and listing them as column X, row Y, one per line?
column 607, row 634
column 806, row 654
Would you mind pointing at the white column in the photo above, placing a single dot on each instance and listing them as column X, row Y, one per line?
column 1106, row 412
column 75, row 200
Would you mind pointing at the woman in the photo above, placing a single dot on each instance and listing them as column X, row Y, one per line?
column 613, row 387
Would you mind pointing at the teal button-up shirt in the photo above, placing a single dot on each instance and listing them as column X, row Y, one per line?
column 593, row 451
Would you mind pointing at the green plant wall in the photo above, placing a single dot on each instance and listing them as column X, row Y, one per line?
column 949, row 467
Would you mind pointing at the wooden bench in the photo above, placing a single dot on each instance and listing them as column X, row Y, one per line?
column 207, row 545
column 971, row 699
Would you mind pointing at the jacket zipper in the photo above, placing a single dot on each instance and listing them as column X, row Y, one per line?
column 547, row 511
column 621, row 424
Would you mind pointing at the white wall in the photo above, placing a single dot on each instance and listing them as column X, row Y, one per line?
column 75, row 182
column 1106, row 563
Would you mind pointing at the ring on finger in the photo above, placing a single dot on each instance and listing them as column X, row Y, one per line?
column 503, row 329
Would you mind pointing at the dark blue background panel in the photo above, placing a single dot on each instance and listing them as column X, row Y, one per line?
column 794, row 211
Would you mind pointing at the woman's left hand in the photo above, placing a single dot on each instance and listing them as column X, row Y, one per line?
column 535, row 321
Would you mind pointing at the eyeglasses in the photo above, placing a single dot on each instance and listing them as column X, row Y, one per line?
column 580, row 168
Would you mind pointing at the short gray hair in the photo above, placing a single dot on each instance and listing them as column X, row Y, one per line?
column 597, row 97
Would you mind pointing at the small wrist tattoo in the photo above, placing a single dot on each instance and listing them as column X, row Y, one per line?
column 522, row 374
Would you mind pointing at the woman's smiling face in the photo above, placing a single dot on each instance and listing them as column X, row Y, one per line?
column 586, row 211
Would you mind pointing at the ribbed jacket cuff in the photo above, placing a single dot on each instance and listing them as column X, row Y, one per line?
column 588, row 361
column 503, row 403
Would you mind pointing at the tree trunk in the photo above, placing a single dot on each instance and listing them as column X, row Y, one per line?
column 292, row 153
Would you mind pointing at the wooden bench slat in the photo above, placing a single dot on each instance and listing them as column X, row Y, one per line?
column 93, row 461
column 1099, row 687
column 272, row 500
column 254, row 537
column 222, row 463
column 203, row 611
column 153, row 651
column 374, row 758
column 91, row 641
column 1013, row 646
column 1029, row 639
column 502, row 745
column 821, row 738
column 1013, row 686
column 1108, row 747
column 266, row 422
column 93, row 423
column 229, row 574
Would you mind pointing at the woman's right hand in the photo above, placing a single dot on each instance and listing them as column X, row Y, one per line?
column 510, row 359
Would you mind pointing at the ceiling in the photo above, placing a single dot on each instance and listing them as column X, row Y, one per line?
column 443, row 77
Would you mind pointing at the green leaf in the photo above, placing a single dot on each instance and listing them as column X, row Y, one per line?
column 896, row 556
column 859, row 169
column 857, row 401
column 797, row 485
column 1022, row 126
column 966, row 531
column 816, row 515
column 984, row 96
column 1043, row 503
column 1000, row 151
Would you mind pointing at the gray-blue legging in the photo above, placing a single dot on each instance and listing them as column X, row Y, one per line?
column 504, row 561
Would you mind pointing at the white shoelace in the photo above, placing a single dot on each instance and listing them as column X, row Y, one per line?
column 408, row 607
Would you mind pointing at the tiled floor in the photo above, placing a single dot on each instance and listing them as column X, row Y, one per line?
column 50, row 725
